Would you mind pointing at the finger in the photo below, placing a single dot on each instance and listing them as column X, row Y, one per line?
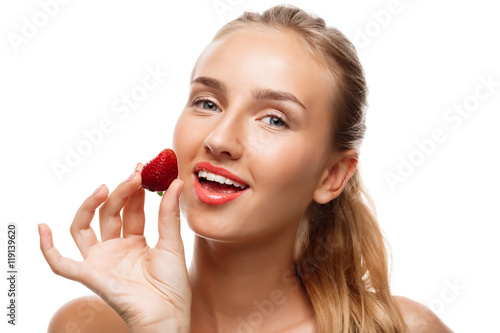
column 133, row 214
column 110, row 220
column 169, row 218
column 60, row 265
column 80, row 229
column 139, row 167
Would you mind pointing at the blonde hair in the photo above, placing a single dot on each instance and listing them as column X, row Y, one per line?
column 348, row 288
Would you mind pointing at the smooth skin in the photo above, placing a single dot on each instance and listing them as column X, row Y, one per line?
column 259, row 104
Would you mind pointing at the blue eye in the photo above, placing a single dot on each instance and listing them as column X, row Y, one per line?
column 208, row 105
column 274, row 121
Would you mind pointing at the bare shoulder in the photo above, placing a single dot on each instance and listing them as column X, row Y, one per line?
column 419, row 318
column 86, row 314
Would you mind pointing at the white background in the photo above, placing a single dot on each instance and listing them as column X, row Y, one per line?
column 427, row 56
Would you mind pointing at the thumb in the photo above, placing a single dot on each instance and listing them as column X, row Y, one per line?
column 169, row 217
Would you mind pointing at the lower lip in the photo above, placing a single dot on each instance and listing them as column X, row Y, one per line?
column 212, row 198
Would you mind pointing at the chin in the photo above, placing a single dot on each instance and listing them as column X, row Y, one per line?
column 213, row 222
column 215, row 229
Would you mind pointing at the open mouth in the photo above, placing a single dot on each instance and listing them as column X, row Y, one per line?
column 219, row 184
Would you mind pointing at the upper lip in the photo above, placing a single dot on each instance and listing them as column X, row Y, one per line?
column 207, row 166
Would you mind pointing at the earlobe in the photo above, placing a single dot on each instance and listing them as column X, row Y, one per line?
column 335, row 178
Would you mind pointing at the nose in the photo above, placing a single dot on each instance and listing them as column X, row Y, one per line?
column 226, row 139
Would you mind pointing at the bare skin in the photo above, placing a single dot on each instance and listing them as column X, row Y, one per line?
column 258, row 102
column 92, row 314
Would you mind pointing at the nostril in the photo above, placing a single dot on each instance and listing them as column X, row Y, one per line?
column 210, row 150
column 224, row 142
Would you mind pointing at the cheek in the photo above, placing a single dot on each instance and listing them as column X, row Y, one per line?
column 179, row 132
column 185, row 144
column 262, row 141
column 289, row 167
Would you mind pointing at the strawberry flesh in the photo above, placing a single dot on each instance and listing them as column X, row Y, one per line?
column 160, row 172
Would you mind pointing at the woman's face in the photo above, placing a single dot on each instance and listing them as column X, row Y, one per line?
column 259, row 109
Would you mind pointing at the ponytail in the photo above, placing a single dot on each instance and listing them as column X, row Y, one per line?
column 343, row 266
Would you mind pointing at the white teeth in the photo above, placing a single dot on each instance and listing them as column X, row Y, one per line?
column 238, row 185
column 218, row 178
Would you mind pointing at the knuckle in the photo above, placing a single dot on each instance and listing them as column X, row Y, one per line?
column 134, row 209
column 72, row 230
column 105, row 212
column 167, row 214
column 55, row 267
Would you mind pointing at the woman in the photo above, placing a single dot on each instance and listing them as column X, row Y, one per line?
column 276, row 104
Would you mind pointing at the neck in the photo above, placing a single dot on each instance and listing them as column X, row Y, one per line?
column 245, row 285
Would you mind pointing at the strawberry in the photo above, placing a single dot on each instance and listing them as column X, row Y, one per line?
column 160, row 172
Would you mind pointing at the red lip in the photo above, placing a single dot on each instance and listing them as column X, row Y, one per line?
column 212, row 198
column 218, row 171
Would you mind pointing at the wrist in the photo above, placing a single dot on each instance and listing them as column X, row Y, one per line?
column 167, row 326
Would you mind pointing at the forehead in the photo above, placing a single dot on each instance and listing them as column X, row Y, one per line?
column 265, row 58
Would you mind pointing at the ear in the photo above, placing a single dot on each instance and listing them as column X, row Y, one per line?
column 335, row 177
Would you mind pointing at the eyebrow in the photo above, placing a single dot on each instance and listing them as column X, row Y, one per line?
column 210, row 82
column 261, row 93
column 277, row 95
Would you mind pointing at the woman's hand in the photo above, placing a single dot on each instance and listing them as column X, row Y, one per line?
column 148, row 287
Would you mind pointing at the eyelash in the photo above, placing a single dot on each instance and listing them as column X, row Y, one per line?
column 204, row 100
column 280, row 118
column 198, row 101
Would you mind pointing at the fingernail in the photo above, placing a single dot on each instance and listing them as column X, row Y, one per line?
column 179, row 192
column 131, row 176
column 97, row 190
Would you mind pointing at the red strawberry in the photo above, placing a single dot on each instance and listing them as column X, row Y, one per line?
column 160, row 172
